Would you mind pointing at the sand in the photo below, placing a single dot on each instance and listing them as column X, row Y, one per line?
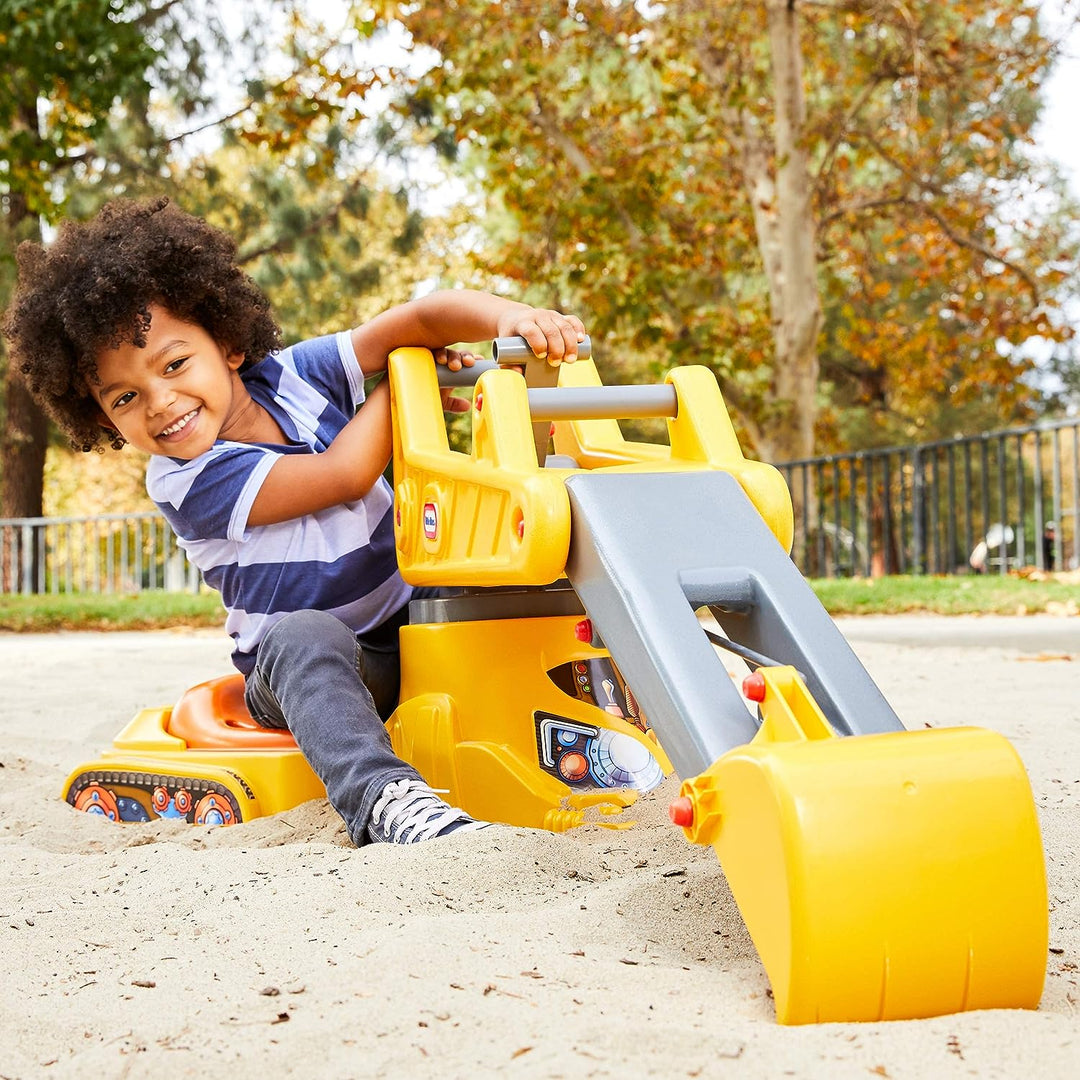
column 277, row 949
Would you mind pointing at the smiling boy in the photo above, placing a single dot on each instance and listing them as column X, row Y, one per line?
column 138, row 327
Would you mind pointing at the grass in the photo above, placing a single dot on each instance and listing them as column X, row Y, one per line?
column 149, row 610
column 157, row 610
column 991, row 594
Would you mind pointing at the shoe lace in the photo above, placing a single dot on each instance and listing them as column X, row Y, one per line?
column 408, row 811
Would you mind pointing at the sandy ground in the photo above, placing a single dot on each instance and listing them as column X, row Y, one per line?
column 276, row 949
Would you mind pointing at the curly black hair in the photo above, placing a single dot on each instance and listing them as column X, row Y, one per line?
column 92, row 289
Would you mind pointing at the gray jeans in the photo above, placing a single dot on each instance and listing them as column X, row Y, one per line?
column 333, row 691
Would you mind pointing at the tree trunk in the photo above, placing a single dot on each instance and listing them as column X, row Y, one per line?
column 26, row 432
column 779, row 188
column 797, row 319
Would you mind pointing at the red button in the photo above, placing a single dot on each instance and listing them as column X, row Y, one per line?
column 573, row 765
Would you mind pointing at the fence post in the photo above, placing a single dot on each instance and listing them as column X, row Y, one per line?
column 916, row 511
column 1040, row 561
column 1056, row 520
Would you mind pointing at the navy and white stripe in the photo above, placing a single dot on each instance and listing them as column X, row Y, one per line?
column 340, row 560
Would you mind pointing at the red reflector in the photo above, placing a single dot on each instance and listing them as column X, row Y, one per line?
column 583, row 630
column 753, row 686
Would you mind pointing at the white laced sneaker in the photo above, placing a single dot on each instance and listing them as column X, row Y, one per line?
column 408, row 811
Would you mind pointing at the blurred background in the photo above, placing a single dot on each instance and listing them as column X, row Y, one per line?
column 858, row 213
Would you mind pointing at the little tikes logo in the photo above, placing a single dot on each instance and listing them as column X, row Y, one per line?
column 431, row 521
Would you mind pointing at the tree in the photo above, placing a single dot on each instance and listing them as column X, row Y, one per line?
column 89, row 90
column 87, row 59
column 742, row 183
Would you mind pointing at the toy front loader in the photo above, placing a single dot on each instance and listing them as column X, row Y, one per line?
column 882, row 873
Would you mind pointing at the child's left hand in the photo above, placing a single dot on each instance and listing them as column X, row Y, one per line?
column 551, row 335
column 454, row 360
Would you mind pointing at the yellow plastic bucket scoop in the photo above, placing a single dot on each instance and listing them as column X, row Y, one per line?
column 881, row 877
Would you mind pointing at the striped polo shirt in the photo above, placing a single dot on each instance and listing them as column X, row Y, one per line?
column 339, row 560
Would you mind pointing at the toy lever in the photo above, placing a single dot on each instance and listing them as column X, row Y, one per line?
column 602, row 402
column 548, row 401
column 538, row 373
column 504, row 350
column 466, row 376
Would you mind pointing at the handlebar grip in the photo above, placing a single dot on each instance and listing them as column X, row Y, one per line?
column 504, row 350
column 466, row 376
column 603, row 402
column 515, row 350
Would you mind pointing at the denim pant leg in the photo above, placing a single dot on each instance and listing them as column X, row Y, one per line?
column 307, row 678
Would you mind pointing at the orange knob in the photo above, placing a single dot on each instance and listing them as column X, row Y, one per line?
column 681, row 812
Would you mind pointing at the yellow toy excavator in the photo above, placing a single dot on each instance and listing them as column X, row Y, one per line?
column 882, row 873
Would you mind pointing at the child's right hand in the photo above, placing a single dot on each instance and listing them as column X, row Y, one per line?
column 455, row 359
column 551, row 335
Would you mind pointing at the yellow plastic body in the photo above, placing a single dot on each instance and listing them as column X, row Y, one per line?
column 475, row 736
column 881, row 877
column 700, row 436
column 145, row 755
column 470, row 727
column 494, row 516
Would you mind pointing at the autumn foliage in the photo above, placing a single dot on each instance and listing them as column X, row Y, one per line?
column 634, row 165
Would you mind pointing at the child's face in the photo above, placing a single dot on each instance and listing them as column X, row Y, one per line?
column 176, row 394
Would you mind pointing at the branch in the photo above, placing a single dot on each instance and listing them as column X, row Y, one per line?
column 843, row 128
column 863, row 205
column 961, row 240
column 978, row 246
column 151, row 15
column 211, row 123
column 919, row 182
column 309, row 63
column 313, row 226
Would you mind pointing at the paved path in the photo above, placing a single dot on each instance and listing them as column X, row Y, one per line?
column 1029, row 633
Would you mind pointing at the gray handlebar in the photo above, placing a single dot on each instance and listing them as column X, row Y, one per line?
column 515, row 350
column 602, row 402
column 465, row 376
column 569, row 402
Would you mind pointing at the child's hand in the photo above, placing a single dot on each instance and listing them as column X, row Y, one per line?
column 454, row 360
column 551, row 335
column 450, row 403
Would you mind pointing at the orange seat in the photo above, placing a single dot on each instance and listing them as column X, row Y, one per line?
column 213, row 716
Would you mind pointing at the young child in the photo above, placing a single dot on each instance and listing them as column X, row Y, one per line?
column 138, row 327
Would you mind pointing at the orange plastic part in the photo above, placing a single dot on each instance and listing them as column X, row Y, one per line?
column 681, row 811
column 213, row 716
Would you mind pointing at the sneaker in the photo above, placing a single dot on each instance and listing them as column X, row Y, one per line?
column 408, row 811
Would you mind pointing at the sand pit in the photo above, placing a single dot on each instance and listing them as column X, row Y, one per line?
column 277, row 949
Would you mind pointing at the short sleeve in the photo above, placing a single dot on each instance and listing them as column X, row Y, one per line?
column 329, row 365
column 210, row 497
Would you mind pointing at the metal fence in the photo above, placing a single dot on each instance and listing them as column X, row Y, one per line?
column 984, row 502
column 977, row 503
column 104, row 553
